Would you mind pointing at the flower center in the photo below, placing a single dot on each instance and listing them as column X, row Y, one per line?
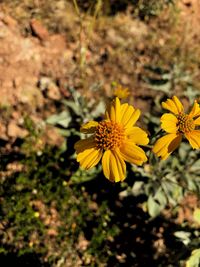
column 185, row 123
column 109, row 135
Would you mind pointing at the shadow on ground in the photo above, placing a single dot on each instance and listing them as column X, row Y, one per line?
column 142, row 241
column 27, row 260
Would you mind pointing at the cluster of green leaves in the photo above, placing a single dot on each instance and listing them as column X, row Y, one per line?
column 152, row 7
column 76, row 111
column 162, row 79
column 45, row 212
column 166, row 182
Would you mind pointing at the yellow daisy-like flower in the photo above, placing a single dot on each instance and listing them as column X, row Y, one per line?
column 115, row 140
column 177, row 125
column 121, row 92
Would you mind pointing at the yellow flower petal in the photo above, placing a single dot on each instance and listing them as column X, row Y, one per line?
column 114, row 167
column 87, row 143
column 197, row 121
column 89, row 158
column 126, row 111
column 132, row 153
column 137, row 136
column 129, row 115
column 133, row 119
column 169, row 122
column 173, row 105
column 166, row 145
column 178, row 104
column 194, row 138
column 89, row 127
column 113, row 111
column 195, row 110
column 124, row 108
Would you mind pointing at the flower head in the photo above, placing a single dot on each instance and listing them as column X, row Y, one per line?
column 121, row 92
column 115, row 140
column 178, row 124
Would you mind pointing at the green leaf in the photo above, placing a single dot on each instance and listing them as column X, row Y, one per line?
column 196, row 215
column 191, row 93
column 196, row 166
column 194, row 259
column 183, row 236
column 138, row 188
column 191, row 184
column 99, row 110
column 63, row 119
column 173, row 191
column 75, row 107
column 3, row 250
column 82, row 176
column 154, row 208
column 161, row 197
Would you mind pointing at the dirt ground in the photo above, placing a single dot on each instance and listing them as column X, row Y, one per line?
column 38, row 64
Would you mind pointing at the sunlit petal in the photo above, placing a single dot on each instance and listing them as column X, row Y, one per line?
column 178, row 104
column 114, row 167
column 130, row 116
column 127, row 112
column 194, row 138
column 132, row 153
column 166, row 145
column 169, row 123
column 174, row 105
column 195, row 110
column 197, row 121
column 124, row 109
column 137, row 136
column 89, row 158
column 113, row 111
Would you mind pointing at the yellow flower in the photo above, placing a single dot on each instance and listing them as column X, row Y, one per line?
column 121, row 92
column 115, row 140
column 177, row 125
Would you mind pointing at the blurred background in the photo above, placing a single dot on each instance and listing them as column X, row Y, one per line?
column 60, row 62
